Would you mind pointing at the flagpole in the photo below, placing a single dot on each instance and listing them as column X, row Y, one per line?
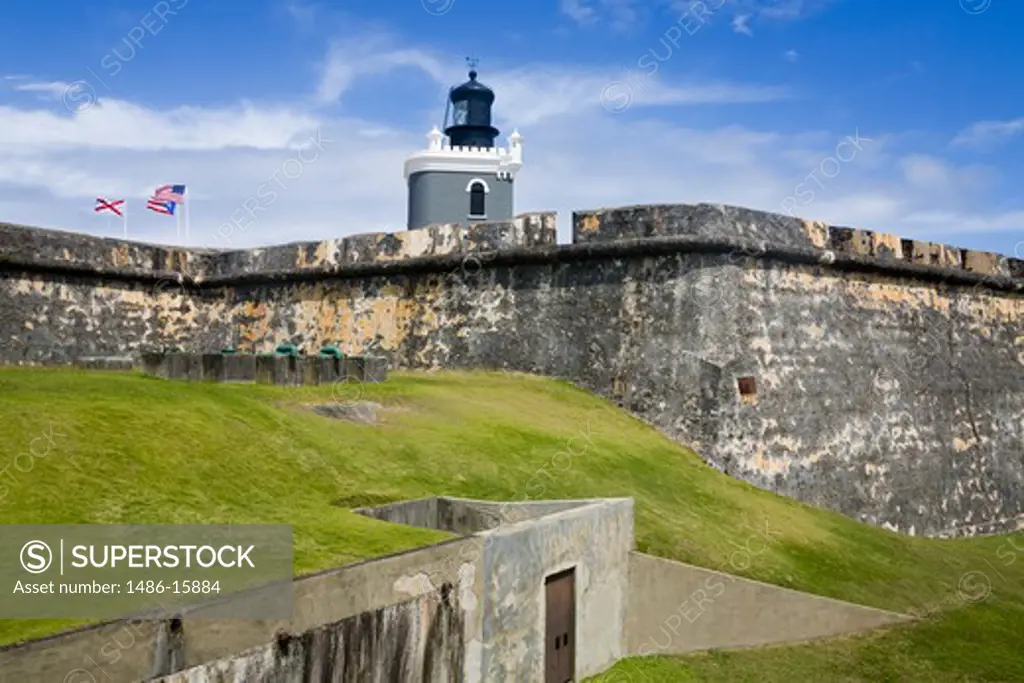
column 124, row 217
column 188, row 224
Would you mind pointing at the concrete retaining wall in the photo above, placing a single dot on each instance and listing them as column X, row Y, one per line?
column 469, row 609
column 419, row 641
column 129, row 651
column 676, row 608
column 464, row 516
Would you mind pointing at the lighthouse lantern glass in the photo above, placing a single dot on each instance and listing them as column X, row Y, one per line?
column 461, row 113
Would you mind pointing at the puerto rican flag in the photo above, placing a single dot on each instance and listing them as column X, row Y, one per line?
column 165, row 198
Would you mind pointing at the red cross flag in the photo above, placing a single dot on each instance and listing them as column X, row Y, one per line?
column 115, row 206
column 109, row 205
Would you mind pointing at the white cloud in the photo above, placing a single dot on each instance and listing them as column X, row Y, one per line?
column 988, row 133
column 874, row 209
column 931, row 176
column 622, row 14
column 371, row 54
column 740, row 24
column 782, row 10
column 770, row 10
column 53, row 88
column 578, row 11
column 304, row 15
column 124, row 125
column 529, row 96
column 962, row 224
column 924, row 171
column 791, row 55
column 61, row 178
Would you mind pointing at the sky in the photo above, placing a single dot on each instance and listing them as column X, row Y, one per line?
column 290, row 120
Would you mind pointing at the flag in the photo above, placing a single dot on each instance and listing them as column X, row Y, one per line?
column 174, row 193
column 160, row 206
column 165, row 198
column 111, row 205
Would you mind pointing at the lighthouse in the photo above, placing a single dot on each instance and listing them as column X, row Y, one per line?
column 462, row 177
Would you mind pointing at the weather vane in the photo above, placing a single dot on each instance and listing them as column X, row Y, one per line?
column 472, row 62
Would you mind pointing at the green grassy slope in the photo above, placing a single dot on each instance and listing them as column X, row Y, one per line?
column 129, row 449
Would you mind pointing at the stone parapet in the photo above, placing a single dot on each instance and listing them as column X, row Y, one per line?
column 34, row 249
column 688, row 226
column 720, row 222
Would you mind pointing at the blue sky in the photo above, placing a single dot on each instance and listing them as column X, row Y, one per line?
column 749, row 102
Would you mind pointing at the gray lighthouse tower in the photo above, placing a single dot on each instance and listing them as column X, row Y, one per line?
column 464, row 179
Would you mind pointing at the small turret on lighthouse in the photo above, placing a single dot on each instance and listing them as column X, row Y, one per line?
column 464, row 179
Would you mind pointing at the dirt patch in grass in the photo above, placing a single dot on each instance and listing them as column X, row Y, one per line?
column 361, row 412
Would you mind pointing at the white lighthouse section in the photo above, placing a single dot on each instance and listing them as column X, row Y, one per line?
column 458, row 184
column 440, row 155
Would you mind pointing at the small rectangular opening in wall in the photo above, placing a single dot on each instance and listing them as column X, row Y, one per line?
column 908, row 249
column 748, row 389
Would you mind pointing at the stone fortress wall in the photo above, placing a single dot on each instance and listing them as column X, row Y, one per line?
column 876, row 376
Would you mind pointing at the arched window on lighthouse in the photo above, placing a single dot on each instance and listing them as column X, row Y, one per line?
column 477, row 190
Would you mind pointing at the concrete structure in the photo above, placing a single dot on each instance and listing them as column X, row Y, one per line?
column 417, row 640
column 879, row 377
column 138, row 649
column 473, row 609
column 464, row 179
column 265, row 369
column 520, row 545
column 675, row 608
column 105, row 363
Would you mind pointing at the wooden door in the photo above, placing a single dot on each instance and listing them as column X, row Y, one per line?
column 560, row 627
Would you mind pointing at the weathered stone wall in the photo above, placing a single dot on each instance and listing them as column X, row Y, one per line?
column 64, row 296
column 888, row 374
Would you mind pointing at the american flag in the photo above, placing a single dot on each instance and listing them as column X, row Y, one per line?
column 165, row 198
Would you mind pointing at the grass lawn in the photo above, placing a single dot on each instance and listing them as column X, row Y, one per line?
column 130, row 449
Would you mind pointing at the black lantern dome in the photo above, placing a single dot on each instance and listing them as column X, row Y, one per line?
column 471, row 114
